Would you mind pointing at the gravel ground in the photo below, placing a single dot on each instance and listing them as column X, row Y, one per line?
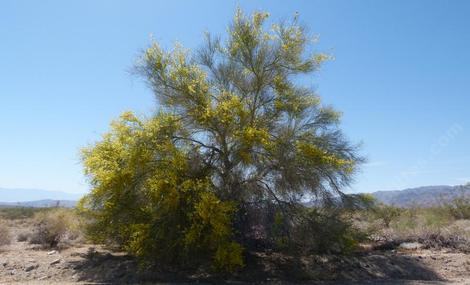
column 22, row 263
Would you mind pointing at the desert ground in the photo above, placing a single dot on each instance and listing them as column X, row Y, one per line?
column 83, row 263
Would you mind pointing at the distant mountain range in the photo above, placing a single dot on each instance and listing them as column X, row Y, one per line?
column 40, row 204
column 37, row 198
column 421, row 196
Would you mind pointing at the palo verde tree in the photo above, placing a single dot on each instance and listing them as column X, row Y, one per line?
column 235, row 150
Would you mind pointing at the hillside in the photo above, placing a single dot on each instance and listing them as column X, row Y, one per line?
column 421, row 196
column 27, row 195
column 41, row 204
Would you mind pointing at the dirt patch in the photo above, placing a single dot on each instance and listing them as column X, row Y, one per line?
column 23, row 263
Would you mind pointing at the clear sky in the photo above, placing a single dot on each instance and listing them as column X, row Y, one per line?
column 401, row 76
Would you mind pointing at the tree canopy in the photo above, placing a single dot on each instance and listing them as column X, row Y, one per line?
column 236, row 133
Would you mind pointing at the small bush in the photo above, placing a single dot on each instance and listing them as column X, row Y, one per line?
column 459, row 208
column 54, row 226
column 325, row 230
column 5, row 235
column 387, row 214
column 23, row 236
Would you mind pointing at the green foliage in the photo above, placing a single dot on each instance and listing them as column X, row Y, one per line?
column 16, row 213
column 414, row 224
column 366, row 201
column 149, row 200
column 234, row 133
column 326, row 230
column 459, row 207
column 387, row 213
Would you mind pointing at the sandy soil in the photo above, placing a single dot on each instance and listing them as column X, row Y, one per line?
column 22, row 263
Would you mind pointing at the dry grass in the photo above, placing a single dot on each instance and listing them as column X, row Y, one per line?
column 434, row 227
column 55, row 228
column 5, row 234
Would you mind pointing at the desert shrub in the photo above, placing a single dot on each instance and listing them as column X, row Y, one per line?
column 425, row 217
column 437, row 226
column 386, row 213
column 5, row 235
column 17, row 213
column 23, row 236
column 408, row 219
column 234, row 129
column 436, row 217
column 299, row 229
column 326, row 230
column 461, row 227
column 459, row 207
column 433, row 227
column 54, row 226
column 184, row 224
column 445, row 239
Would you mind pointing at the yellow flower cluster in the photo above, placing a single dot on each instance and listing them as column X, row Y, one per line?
column 317, row 155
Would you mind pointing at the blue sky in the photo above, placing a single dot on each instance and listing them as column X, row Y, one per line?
column 401, row 77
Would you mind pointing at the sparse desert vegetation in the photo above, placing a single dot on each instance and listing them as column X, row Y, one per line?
column 419, row 243
column 442, row 226
column 19, row 213
column 225, row 165
column 241, row 172
column 5, row 235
